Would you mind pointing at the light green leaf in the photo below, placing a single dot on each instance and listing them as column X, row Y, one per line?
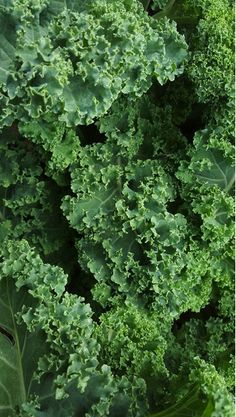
column 19, row 350
column 218, row 171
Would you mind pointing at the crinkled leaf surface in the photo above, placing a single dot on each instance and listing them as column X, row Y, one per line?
column 74, row 59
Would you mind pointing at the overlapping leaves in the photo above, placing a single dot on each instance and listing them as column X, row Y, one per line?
column 47, row 333
column 151, row 202
column 74, row 60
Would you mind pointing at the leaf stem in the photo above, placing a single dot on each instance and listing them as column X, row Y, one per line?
column 165, row 11
column 17, row 344
column 180, row 19
column 184, row 403
column 230, row 184
column 146, row 4
column 119, row 182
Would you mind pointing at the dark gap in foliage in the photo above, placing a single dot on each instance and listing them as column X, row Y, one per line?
column 150, row 11
column 185, row 209
column 204, row 314
column 81, row 282
column 144, row 260
column 148, row 6
column 73, row 59
column 153, row 393
column 157, row 91
column 132, row 184
column 174, row 207
column 36, row 81
column 197, row 223
column 66, row 256
column 90, row 134
column 181, row 98
column 63, row 189
column 146, row 151
column 7, row 334
column 15, row 101
column 12, row 132
column 97, row 309
column 62, row 43
column 194, row 122
column 179, row 206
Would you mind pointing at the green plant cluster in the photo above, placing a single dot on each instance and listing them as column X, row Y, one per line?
column 116, row 208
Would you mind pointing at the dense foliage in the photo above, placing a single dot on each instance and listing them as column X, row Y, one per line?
column 116, row 208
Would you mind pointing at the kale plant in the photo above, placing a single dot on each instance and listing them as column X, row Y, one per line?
column 116, row 208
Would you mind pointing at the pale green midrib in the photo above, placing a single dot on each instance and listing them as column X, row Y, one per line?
column 30, row 384
column 2, row 213
column 6, row 407
column 7, row 393
column 18, row 354
column 119, row 182
column 183, row 404
column 165, row 11
column 230, row 183
column 146, row 5
column 108, row 198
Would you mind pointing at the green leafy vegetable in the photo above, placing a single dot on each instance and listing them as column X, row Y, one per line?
column 116, row 208
column 73, row 61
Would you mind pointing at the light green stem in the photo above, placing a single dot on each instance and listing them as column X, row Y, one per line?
column 165, row 11
column 230, row 184
column 18, row 353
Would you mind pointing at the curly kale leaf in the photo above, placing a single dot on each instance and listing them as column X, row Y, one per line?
column 74, row 61
column 220, row 401
column 133, row 341
column 29, row 200
column 46, row 285
column 136, row 341
column 208, row 27
column 59, row 141
column 211, row 66
column 130, row 239
column 199, row 360
column 208, row 180
column 52, row 354
column 152, row 210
